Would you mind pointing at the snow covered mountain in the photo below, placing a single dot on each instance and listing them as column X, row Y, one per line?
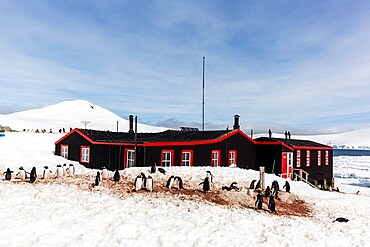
column 70, row 114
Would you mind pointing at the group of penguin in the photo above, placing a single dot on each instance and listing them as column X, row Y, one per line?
column 270, row 193
column 47, row 173
column 146, row 182
column 143, row 181
column 103, row 174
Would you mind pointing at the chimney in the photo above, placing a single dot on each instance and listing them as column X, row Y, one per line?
column 131, row 123
column 236, row 122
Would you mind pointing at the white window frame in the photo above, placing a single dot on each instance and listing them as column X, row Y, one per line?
column 186, row 158
column 130, row 158
column 308, row 158
column 215, row 158
column 326, row 157
column 85, row 154
column 319, row 158
column 64, row 151
column 298, row 158
column 166, row 159
column 232, row 157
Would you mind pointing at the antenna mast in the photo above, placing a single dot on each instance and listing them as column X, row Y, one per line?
column 203, row 96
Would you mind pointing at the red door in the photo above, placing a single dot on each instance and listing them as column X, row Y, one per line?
column 287, row 165
column 284, row 165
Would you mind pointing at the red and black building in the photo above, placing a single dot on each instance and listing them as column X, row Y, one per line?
column 310, row 160
column 189, row 147
column 116, row 150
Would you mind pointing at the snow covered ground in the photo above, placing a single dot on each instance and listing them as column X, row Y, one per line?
column 60, row 214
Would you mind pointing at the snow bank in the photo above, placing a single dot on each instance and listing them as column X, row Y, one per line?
column 64, row 215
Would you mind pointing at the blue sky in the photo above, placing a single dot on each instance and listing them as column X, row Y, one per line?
column 302, row 66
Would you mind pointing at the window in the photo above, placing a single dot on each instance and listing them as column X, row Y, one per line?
column 319, row 158
column 187, row 158
column 167, row 157
column 215, row 158
column 326, row 157
column 298, row 158
column 130, row 158
column 232, row 157
column 308, row 158
column 85, row 154
column 64, row 151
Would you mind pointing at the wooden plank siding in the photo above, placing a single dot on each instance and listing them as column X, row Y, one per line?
column 112, row 155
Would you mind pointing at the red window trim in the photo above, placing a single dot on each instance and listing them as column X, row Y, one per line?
column 298, row 158
column 191, row 156
column 319, row 157
column 125, row 156
column 326, row 157
column 61, row 148
column 218, row 157
column 167, row 151
column 308, row 158
column 85, row 162
column 235, row 157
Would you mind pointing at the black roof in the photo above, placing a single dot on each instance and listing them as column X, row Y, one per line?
column 292, row 142
column 165, row 136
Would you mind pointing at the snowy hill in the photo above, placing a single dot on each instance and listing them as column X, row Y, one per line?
column 61, row 213
column 69, row 114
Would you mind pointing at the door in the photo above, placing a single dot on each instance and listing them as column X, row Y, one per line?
column 287, row 165
column 284, row 165
column 290, row 165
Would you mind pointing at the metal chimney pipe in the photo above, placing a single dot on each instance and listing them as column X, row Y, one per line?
column 131, row 124
column 236, row 122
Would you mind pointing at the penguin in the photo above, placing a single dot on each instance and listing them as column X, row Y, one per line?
column 287, row 186
column 250, row 192
column 64, row 168
column 8, row 174
column 170, row 182
column 251, row 186
column 60, row 172
column 178, row 181
column 275, row 185
column 225, row 188
column 138, row 183
column 275, row 189
column 341, row 219
column 46, row 173
column 22, row 174
column 210, row 177
column 161, row 170
column 149, row 183
column 33, row 175
column 206, row 185
column 104, row 172
column 259, row 201
column 233, row 186
column 271, row 204
column 153, row 168
column 267, row 191
column 98, row 179
column 276, row 194
column 71, row 170
column 116, row 176
column 143, row 177
column 258, row 185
